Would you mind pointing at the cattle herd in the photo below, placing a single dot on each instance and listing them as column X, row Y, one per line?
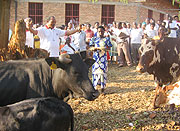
column 33, row 92
column 42, row 83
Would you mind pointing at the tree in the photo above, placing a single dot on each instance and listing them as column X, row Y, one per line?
column 173, row 1
column 4, row 22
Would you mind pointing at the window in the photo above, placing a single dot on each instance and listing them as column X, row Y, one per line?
column 72, row 13
column 161, row 17
column 107, row 14
column 150, row 14
column 36, row 12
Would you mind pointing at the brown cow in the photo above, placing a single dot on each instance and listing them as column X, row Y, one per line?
column 161, row 58
column 168, row 95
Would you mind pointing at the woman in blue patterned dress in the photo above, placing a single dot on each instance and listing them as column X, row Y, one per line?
column 99, row 45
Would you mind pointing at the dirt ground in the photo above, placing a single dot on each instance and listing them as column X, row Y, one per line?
column 127, row 105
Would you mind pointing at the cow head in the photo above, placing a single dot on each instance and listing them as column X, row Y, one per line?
column 161, row 96
column 148, row 55
column 71, row 76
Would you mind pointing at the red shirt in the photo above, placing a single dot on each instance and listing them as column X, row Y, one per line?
column 89, row 34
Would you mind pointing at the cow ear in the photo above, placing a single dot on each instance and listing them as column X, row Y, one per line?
column 89, row 62
column 54, row 63
column 160, row 40
column 156, row 42
column 165, row 88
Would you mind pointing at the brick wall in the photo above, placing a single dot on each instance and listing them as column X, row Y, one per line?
column 54, row 9
column 125, row 13
column 162, row 5
column 22, row 12
column 91, row 13
column 12, row 15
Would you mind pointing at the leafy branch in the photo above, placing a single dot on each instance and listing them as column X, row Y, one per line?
column 123, row 1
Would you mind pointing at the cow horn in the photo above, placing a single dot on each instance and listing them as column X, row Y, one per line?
column 65, row 58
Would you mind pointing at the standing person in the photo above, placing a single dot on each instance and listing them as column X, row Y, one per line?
column 151, row 32
column 73, row 22
column 166, row 20
column 173, row 27
column 10, row 34
column 147, row 24
column 113, row 37
column 69, row 47
column 99, row 45
column 29, row 35
column 89, row 33
column 49, row 36
column 156, row 27
column 143, row 28
column 36, row 38
column 80, row 41
column 70, row 26
column 96, row 25
column 114, row 27
column 159, row 22
column 136, row 38
column 123, row 46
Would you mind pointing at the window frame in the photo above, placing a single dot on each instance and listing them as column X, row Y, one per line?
column 71, row 12
column 150, row 13
column 108, row 14
column 36, row 13
column 161, row 17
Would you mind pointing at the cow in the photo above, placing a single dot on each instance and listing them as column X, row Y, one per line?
column 56, row 77
column 161, row 58
column 37, row 114
column 169, row 94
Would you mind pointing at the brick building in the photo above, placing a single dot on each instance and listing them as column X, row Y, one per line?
column 84, row 11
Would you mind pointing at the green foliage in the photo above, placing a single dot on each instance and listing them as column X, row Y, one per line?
column 179, row 5
column 175, row 1
column 123, row 1
column 93, row 1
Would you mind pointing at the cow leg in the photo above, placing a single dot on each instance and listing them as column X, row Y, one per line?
column 156, row 90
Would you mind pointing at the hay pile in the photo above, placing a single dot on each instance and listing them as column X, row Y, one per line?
column 127, row 105
column 17, row 49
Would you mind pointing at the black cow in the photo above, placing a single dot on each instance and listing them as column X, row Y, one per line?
column 22, row 79
column 38, row 114
column 160, row 58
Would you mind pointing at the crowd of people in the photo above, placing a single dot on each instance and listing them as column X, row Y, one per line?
column 125, row 38
column 117, row 42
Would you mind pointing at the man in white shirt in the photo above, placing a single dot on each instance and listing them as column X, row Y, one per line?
column 96, row 25
column 123, row 46
column 166, row 20
column 80, row 41
column 147, row 23
column 136, row 38
column 29, row 35
column 49, row 36
column 173, row 27
column 151, row 32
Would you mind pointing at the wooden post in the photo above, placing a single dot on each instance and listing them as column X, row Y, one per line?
column 4, row 22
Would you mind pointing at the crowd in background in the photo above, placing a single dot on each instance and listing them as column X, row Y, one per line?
column 126, row 49
column 117, row 42
column 126, row 38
